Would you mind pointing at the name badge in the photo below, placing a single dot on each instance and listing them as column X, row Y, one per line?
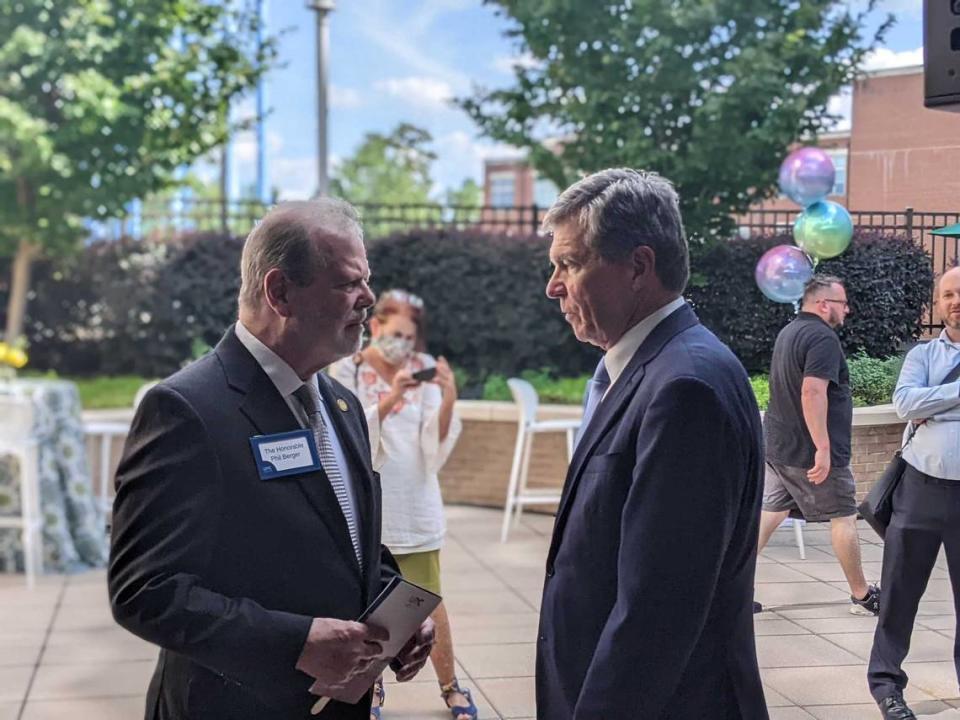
column 289, row 453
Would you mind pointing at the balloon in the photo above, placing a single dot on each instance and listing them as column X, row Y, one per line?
column 823, row 230
column 782, row 272
column 807, row 176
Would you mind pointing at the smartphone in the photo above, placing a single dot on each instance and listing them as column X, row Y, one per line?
column 425, row 375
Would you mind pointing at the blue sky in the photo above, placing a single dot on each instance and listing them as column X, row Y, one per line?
column 402, row 60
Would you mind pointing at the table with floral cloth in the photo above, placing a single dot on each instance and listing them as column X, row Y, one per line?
column 74, row 536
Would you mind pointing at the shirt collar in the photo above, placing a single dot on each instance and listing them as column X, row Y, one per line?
column 626, row 347
column 944, row 338
column 283, row 377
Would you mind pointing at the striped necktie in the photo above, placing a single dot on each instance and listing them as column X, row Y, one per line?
column 309, row 396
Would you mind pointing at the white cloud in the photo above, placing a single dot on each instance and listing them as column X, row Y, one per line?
column 345, row 97
column 418, row 90
column 842, row 105
column 294, row 177
column 243, row 146
column 506, row 63
column 884, row 58
column 460, row 155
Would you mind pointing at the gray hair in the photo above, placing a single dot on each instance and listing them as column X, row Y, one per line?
column 621, row 209
column 819, row 284
column 286, row 239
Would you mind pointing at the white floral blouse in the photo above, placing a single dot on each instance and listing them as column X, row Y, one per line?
column 406, row 451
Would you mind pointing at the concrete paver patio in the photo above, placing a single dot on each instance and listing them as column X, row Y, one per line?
column 61, row 656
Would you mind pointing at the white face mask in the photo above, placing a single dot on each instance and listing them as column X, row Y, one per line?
column 394, row 350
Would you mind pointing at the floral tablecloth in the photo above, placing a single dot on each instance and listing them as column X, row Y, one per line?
column 74, row 534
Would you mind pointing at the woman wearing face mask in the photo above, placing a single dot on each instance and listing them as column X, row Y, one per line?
column 413, row 428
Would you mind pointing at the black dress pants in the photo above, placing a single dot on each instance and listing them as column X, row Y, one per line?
column 926, row 514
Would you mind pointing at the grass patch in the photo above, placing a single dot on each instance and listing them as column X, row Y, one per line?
column 102, row 393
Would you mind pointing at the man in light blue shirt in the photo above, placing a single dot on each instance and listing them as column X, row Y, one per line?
column 926, row 504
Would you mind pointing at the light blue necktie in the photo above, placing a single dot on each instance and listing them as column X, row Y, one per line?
column 596, row 387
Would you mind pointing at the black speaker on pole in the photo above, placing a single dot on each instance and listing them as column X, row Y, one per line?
column 941, row 54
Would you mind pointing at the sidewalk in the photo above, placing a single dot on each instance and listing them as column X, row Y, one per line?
column 61, row 656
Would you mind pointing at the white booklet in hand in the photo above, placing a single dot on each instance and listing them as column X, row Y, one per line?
column 400, row 609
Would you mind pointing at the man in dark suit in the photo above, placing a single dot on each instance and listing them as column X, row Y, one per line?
column 646, row 608
column 250, row 583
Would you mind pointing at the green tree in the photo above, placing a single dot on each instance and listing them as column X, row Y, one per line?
column 709, row 93
column 100, row 101
column 468, row 195
column 464, row 202
column 392, row 169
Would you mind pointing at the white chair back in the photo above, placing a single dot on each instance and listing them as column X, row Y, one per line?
column 526, row 398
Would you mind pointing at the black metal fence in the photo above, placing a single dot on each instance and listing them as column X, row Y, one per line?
column 918, row 226
column 172, row 217
column 168, row 218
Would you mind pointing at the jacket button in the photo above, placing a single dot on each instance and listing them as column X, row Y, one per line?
column 549, row 570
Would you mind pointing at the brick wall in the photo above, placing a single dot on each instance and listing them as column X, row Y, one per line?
column 479, row 468
column 873, row 446
column 478, row 471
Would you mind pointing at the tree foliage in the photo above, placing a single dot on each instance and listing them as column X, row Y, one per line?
column 708, row 93
column 100, row 102
column 392, row 169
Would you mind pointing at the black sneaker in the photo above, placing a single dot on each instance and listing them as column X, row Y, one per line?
column 893, row 707
column 757, row 607
column 870, row 605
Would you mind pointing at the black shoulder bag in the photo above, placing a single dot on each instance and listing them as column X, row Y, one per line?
column 877, row 506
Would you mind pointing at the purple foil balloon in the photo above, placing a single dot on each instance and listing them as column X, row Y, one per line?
column 782, row 272
column 807, row 176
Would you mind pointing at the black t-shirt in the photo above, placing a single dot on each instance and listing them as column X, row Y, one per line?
column 807, row 347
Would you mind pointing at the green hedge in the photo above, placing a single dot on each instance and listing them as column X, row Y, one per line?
column 889, row 281
column 872, row 382
column 141, row 308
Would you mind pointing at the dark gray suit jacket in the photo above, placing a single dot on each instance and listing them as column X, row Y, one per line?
column 225, row 571
column 647, row 608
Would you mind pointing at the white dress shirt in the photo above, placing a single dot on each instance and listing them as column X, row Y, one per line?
column 618, row 357
column 287, row 382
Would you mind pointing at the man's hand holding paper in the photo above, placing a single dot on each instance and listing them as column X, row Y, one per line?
column 339, row 652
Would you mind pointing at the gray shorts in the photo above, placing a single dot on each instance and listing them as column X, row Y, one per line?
column 787, row 488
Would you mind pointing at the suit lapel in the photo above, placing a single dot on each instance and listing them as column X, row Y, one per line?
column 269, row 413
column 613, row 406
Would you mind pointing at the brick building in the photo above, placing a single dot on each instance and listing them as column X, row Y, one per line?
column 897, row 154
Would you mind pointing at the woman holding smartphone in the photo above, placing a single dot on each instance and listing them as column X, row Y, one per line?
column 409, row 399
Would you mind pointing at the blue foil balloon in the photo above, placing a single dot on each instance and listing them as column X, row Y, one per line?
column 782, row 273
column 823, row 230
column 807, row 176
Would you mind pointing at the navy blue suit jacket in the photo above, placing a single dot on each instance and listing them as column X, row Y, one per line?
column 647, row 603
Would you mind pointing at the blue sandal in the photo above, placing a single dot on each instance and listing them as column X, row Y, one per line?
column 381, row 695
column 458, row 711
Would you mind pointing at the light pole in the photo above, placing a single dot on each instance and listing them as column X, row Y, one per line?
column 322, row 8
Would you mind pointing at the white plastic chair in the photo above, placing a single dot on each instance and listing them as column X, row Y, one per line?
column 518, row 495
column 16, row 423
column 798, row 534
column 106, row 431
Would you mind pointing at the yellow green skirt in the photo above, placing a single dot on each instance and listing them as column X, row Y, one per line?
column 421, row 568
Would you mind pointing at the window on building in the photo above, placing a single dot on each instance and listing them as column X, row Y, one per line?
column 502, row 188
column 544, row 192
column 839, row 158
